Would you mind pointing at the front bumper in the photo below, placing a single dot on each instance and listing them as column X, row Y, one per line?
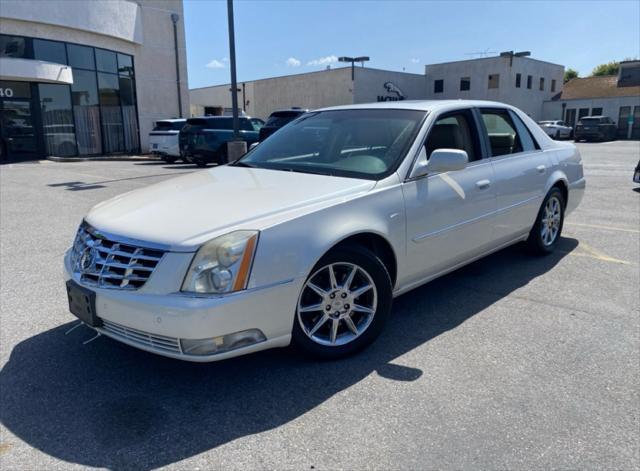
column 156, row 322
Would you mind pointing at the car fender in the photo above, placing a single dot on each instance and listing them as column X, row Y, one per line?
column 288, row 251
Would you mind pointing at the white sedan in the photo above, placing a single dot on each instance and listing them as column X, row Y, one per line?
column 309, row 237
column 556, row 129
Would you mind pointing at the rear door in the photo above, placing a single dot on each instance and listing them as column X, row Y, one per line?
column 521, row 171
column 449, row 215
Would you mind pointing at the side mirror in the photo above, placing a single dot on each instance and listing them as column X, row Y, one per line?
column 441, row 160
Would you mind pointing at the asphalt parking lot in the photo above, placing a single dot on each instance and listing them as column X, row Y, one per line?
column 512, row 362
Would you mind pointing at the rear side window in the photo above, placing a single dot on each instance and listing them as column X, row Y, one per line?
column 526, row 138
column 501, row 131
column 455, row 131
column 169, row 125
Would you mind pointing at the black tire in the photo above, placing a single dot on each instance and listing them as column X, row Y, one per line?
column 535, row 242
column 222, row 157
column 557, row 136
column 576, row 139
column 169, row 159
column 369, row 263
column 200, row 162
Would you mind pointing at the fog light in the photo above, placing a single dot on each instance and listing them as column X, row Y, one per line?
column 223, row 343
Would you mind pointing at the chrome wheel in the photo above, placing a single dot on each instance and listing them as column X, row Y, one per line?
column 551, row 218
column 337, row 304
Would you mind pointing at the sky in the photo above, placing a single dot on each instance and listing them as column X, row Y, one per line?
column 276, row 38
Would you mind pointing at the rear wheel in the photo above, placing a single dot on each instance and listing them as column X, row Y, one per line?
column 343, row 304
column 169, row 159
column 200, row 162
column 546, row 231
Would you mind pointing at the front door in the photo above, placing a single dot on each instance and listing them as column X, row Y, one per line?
column 449, row 215
column 17, row 131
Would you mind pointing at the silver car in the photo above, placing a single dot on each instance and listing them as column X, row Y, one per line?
column 309, row 237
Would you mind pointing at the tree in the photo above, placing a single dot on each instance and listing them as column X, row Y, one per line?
column 610, row 68
column 570, row 74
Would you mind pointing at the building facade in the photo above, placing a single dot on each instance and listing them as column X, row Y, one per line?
column 617, row 97
column 519, row 81
column 81, row 78
column 310, row 90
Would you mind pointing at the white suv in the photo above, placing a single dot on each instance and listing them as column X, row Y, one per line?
column 163, row 140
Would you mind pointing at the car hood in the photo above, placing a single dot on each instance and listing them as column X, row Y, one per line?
column 184, row 212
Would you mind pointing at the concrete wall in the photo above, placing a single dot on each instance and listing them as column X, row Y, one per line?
column 149, row 40
column 529, row 100
column 369, row 85
column 610, row 106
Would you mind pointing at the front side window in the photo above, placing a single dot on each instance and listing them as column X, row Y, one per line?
column 494, row 80
column 454, row 131
column 502, row 134
column 438, row 86
column 362, row 143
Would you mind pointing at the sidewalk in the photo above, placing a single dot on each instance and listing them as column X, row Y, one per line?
column 113, row 158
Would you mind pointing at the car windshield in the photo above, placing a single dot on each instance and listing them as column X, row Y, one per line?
column 169, row 125
column 590, row 121
column 363, row 143
column 280, row 118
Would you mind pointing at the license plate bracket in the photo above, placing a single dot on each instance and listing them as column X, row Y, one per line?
column 82, row 304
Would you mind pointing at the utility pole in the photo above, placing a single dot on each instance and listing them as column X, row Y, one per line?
column 232, row 60
column 235, row 148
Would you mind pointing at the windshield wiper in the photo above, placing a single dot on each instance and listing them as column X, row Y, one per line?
column 299, row 170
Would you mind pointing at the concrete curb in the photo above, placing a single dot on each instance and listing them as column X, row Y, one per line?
column 114, row 158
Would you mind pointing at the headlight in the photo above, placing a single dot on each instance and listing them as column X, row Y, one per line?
column 222, row 265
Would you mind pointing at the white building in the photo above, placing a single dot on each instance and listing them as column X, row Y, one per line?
column 310, row 90
column 519, row 81
column 82, row 78
column 617, row 97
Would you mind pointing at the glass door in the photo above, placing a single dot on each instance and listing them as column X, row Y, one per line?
column 17, row 131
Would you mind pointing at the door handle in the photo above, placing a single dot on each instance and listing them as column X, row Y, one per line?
column 483, row 184
column 541, row 168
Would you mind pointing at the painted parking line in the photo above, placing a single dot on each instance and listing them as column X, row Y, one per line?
column 585, row 250
column 606, row 228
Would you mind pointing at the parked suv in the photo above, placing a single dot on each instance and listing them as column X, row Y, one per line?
column 279, row 118
column 590, row 128
column 163, row 140
column 204, row 140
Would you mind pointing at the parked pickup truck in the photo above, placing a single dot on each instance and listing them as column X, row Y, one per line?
column 204, row 140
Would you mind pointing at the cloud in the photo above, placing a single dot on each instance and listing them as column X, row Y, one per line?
column 293, row 62
column 216, row 64
column 415, row 61
column 323, row 60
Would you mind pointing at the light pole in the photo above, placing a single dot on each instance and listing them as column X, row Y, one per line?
column 353, row 60
column 174, row 19
column 232, row 60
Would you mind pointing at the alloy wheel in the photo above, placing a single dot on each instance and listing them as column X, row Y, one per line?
column 337, row 304
column 551, row 218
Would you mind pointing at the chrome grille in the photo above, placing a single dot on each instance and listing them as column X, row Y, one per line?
column 98, row 261
column 158, row 342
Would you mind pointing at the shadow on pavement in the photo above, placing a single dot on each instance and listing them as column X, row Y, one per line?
column 109, row 405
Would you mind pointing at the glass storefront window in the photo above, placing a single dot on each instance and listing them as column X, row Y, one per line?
column 125, row 65
column 109, row 89
column 13, row 46
column 84, row 95
column 57, row 120
column 51, row 51
column 129, row 115
column 106, row 61
column 81, row 57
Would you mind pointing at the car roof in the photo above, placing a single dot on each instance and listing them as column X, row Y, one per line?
column 172, row 120
column 595, row 117
column 420, row 105
column 219, row 117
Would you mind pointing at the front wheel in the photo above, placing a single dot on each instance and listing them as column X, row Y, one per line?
column 343, row 304
column 169, row 159
column 546, row 231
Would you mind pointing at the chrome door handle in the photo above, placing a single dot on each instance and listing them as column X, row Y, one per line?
column 483, row 184
column 541, row 168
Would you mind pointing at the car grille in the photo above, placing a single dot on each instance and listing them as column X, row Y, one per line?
column 103, row 263
column 158, row 342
